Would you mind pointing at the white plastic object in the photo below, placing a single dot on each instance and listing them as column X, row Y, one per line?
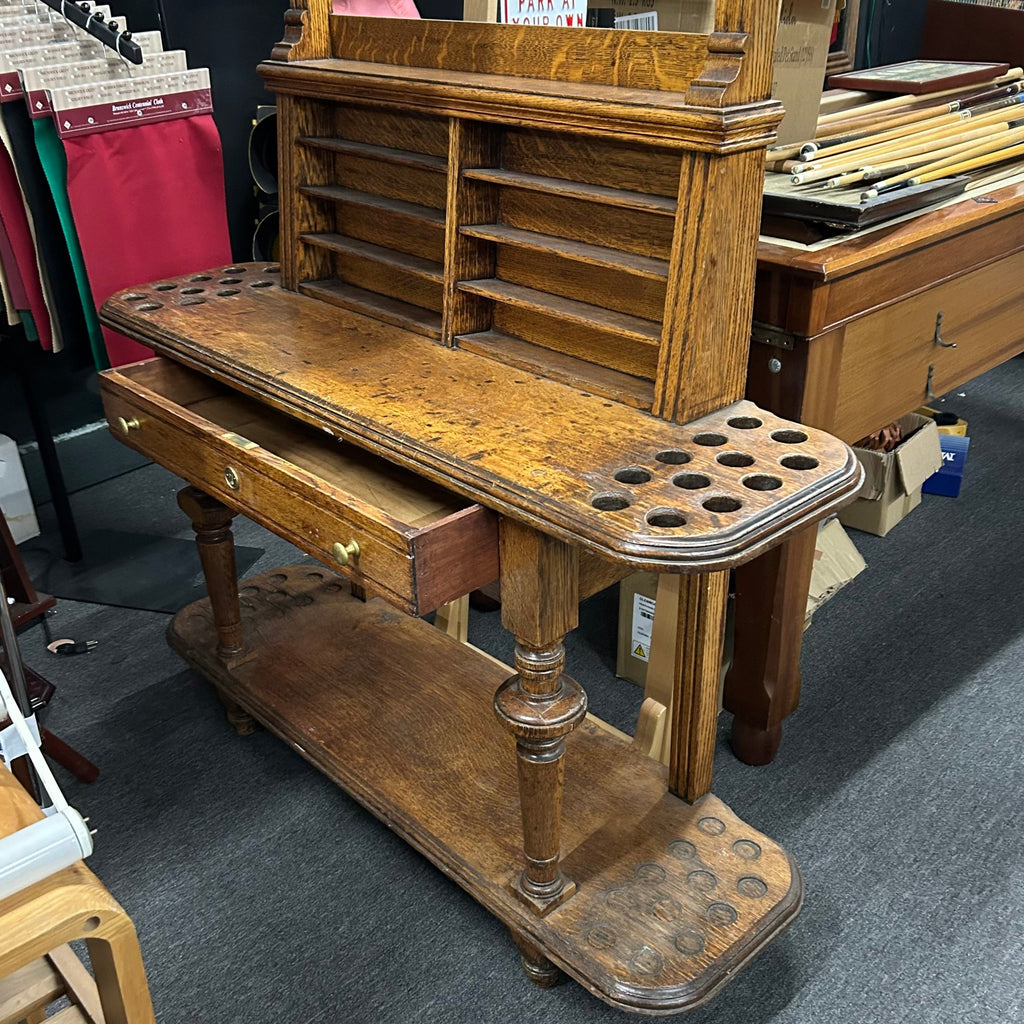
column 41, row 849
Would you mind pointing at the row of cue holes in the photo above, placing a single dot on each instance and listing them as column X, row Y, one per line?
column 193, row 295
column 616, row 501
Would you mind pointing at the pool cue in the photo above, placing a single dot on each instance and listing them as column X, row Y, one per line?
column 894, row 102
column 897, row 102
column 944, row 170
column 950, row 125
column 976, row 101
column 834, row 143
column 1004, row 137
column 913, row 145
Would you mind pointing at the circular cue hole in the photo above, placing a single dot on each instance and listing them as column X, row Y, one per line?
column 194, row 301
column 665, row 518
column 799, row 462
column 201, row 277
column 762, row 482
column 274, row 268
column 789, row 436
column 691, row 481
column 632, row 475
column 735, row 459
column 611, row 501
column 745, row 422
column 230, row 280
column 148, row 307
column 164, row 287
column 709, row 439
column 192, row 291
column 673, row 457
column 261, row 284
column 234, row 270
column 133, row 296
column 723, row 503
column 225, row 292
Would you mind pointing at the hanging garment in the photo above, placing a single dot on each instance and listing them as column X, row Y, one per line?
column 148, row 202
column 19, row 235
column 55, row 168
column 49, row 237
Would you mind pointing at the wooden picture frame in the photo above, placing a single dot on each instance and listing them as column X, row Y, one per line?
column 842, row 54
column 918, row 77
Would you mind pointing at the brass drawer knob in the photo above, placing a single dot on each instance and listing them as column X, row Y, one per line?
column 127, row 426
column 344, row 552
column 232, row 479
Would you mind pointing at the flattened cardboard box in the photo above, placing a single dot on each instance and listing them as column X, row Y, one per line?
column 892, row 480
column 801, row 49
column 836, row 562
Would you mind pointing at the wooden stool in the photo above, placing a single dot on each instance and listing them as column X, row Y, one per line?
column 36, row 965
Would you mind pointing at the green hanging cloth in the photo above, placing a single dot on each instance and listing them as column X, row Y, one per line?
column 55, row 167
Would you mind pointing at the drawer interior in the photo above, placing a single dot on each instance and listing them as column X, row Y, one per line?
column 402, row 494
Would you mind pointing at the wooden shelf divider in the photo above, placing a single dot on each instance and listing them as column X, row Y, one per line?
column 632, row 328
column 428, row 270
column 384, row 154
column 381, row 307
column 566, row 248
column 642, row 201
column 567, row 369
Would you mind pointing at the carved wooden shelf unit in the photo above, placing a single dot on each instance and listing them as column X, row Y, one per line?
column 509, row 332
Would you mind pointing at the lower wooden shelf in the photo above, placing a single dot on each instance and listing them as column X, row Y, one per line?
column 672, row 899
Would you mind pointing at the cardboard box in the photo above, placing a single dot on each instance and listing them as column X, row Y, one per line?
column 947, row 422
column 893, row 480
column 801, row 54
column 801, row 48
column 637, row 601
column 948, row 479
column 672, row 15
column 836, row 562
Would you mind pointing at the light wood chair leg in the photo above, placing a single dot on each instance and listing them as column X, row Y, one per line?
column 539, row 705
column 453, row 618
column 679, row 717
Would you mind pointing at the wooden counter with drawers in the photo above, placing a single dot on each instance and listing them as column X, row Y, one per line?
column 847, row 339
column 508, row 333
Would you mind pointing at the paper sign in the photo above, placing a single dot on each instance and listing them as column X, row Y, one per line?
column 564, row 13
column 643, row 626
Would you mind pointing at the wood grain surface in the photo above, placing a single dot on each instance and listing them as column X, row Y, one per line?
column 672, row 899
column 470, row 424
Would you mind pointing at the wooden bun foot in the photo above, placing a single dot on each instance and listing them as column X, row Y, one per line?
column 753, row 745
column 539, row 969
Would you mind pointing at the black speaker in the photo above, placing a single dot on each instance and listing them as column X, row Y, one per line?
column 266, row 243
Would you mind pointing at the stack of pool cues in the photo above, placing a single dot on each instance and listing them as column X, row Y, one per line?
column 877, row 147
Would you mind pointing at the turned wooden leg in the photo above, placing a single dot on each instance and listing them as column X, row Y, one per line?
column 212, row 523
column 763, row 684
column 539, row 705
column 539, row 969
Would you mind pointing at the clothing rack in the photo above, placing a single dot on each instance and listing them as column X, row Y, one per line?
column 107, row 32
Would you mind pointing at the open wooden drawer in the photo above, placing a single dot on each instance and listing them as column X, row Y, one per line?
column 415, row 544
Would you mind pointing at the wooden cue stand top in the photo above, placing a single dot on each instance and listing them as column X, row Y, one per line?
column 625, row 484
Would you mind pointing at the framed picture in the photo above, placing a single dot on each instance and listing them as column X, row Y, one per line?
column 918, row 76
column 843, row 52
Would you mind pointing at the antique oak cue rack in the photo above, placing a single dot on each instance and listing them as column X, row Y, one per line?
column 509, row 330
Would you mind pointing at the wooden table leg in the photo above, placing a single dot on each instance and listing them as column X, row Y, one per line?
column 539, row 705
column 763, row 684
column 211, row 521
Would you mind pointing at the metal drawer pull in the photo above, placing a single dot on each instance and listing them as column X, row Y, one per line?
column 344, row 552
column 232, row 479
column 938, row 334
column 127, row 426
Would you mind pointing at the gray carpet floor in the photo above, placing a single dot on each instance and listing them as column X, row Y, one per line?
column 261, row 893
